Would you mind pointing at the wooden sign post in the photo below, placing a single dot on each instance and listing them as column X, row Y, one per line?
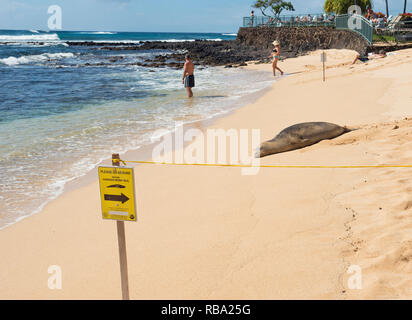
column 323, row 59
column 117, row 195
column 121, row 239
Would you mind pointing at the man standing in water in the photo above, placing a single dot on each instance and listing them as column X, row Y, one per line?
column 188, row 76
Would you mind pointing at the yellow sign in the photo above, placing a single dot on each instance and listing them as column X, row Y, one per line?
column 117, row 193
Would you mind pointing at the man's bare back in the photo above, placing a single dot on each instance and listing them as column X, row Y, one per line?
column 189, row 68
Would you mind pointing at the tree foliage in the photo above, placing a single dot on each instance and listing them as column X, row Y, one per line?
column 342, row 6
column 274, row 6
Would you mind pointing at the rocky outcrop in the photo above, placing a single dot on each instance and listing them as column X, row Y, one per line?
column 251, row 44
column 203, row 52
column 303, row 39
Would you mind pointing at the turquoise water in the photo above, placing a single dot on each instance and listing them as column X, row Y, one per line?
column 50, row 36
column 59, row 118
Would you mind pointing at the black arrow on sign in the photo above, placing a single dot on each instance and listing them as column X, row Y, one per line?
column 111, row 197
column 117, row 186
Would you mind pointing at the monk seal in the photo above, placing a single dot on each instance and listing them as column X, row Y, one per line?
column 299, row 136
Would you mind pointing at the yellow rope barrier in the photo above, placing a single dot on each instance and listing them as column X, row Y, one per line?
column 264, row 166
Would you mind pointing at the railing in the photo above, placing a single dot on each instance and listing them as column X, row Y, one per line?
column 289, row 21
column 405, row 25
column 359, row 24
column 402, row 31
column 393, row 32
column 393, row 23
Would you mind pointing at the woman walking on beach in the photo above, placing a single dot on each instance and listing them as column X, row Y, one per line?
column 276, row 55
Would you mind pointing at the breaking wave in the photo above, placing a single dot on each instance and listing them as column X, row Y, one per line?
column 13, row 61
column 32, row 37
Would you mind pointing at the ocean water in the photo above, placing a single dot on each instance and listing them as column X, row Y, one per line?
column 60, row 118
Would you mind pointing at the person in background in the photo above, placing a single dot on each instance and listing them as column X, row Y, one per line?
column 252, row 18
column 381, row 54
column 188, row 76
column 381, row 22
column 369, row 13
column 276, row 55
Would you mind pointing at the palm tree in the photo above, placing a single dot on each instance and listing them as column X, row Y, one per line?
column 387, row 8
column 342, row 6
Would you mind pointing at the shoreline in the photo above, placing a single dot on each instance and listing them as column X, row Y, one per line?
column 142, row 153
column 281, row 234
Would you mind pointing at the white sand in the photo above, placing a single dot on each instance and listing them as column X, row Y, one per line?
column 211, row 233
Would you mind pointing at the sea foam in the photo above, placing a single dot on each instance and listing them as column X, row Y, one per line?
column 32, row 37
column 98, row 32
column 12, row 61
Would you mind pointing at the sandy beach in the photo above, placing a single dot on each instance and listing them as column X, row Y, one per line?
column 212, row 233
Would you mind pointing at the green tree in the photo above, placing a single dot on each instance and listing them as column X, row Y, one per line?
column 275, row 6
column 342, row 6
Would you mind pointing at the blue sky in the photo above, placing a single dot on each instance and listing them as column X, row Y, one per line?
column 147, row 15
